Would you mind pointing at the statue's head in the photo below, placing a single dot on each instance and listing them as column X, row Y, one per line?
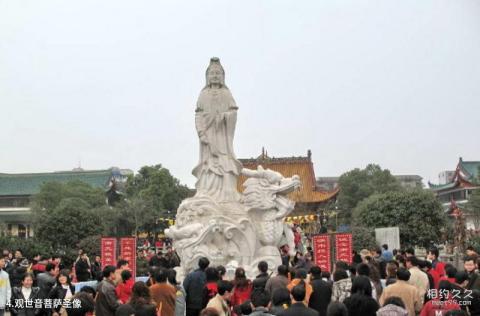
column 215, row 73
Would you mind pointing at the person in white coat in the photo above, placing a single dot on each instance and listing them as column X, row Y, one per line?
column 5, row 289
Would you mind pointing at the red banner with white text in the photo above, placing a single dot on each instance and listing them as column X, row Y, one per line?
column 321, row 252
column 109, row 251
column 128, row 251
column 343, row 247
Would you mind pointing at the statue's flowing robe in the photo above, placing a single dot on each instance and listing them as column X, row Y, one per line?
column 218, row 168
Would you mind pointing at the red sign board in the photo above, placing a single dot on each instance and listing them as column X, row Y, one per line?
column 109, row 251
column 321, row 251
column 128, row 251
column 343, row 246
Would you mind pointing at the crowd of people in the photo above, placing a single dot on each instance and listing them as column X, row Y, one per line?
column 379, row 282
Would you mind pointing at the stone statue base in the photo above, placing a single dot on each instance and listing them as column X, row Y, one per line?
column 236, row 234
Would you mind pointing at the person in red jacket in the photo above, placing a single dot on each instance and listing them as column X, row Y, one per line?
column 437, row 265
column 242, row 288
column 442, row 301
column 39, row 265
column 433, row 274
column 124, row 288
column 450, row 272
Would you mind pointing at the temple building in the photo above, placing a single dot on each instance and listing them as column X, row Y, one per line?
column 310, row 200
column 455, row 187
column 16, row 191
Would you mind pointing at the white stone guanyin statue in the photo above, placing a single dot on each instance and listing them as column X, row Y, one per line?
column 215, row 120
column 218, row 222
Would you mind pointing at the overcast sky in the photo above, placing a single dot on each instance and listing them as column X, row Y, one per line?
column 114, row 83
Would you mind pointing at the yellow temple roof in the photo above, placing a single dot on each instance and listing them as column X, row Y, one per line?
column 289, row 166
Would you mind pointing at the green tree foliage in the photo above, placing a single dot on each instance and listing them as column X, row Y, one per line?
column 473, row 205
column 417, row 213
column 65, row 213
column 156, row 185
column 71, row 221
column 363, row 238
column 52, row 193
column 473, row 208
column 358, row 184
column 152, row 193
column 90, row 245
column 131, row 216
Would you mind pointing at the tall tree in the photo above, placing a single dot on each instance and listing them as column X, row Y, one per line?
column 363, row 238
column 52, row 193
column 417, row 213
column 358, row 184
column 131, row 216
column 64, row 213
column 151, row 194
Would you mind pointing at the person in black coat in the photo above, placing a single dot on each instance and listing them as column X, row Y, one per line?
column 471, row 299
column 322, row 292
column 16, row 274
column 356, row 258
column 96, row 269
column 285, row 256
column 82, row 268
column 22, row 294
column 281, row 300
column 298, row 308
column 46, row 280
column 361, row 303
column 63, row 290
column 261, row 280
column 193, row 285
